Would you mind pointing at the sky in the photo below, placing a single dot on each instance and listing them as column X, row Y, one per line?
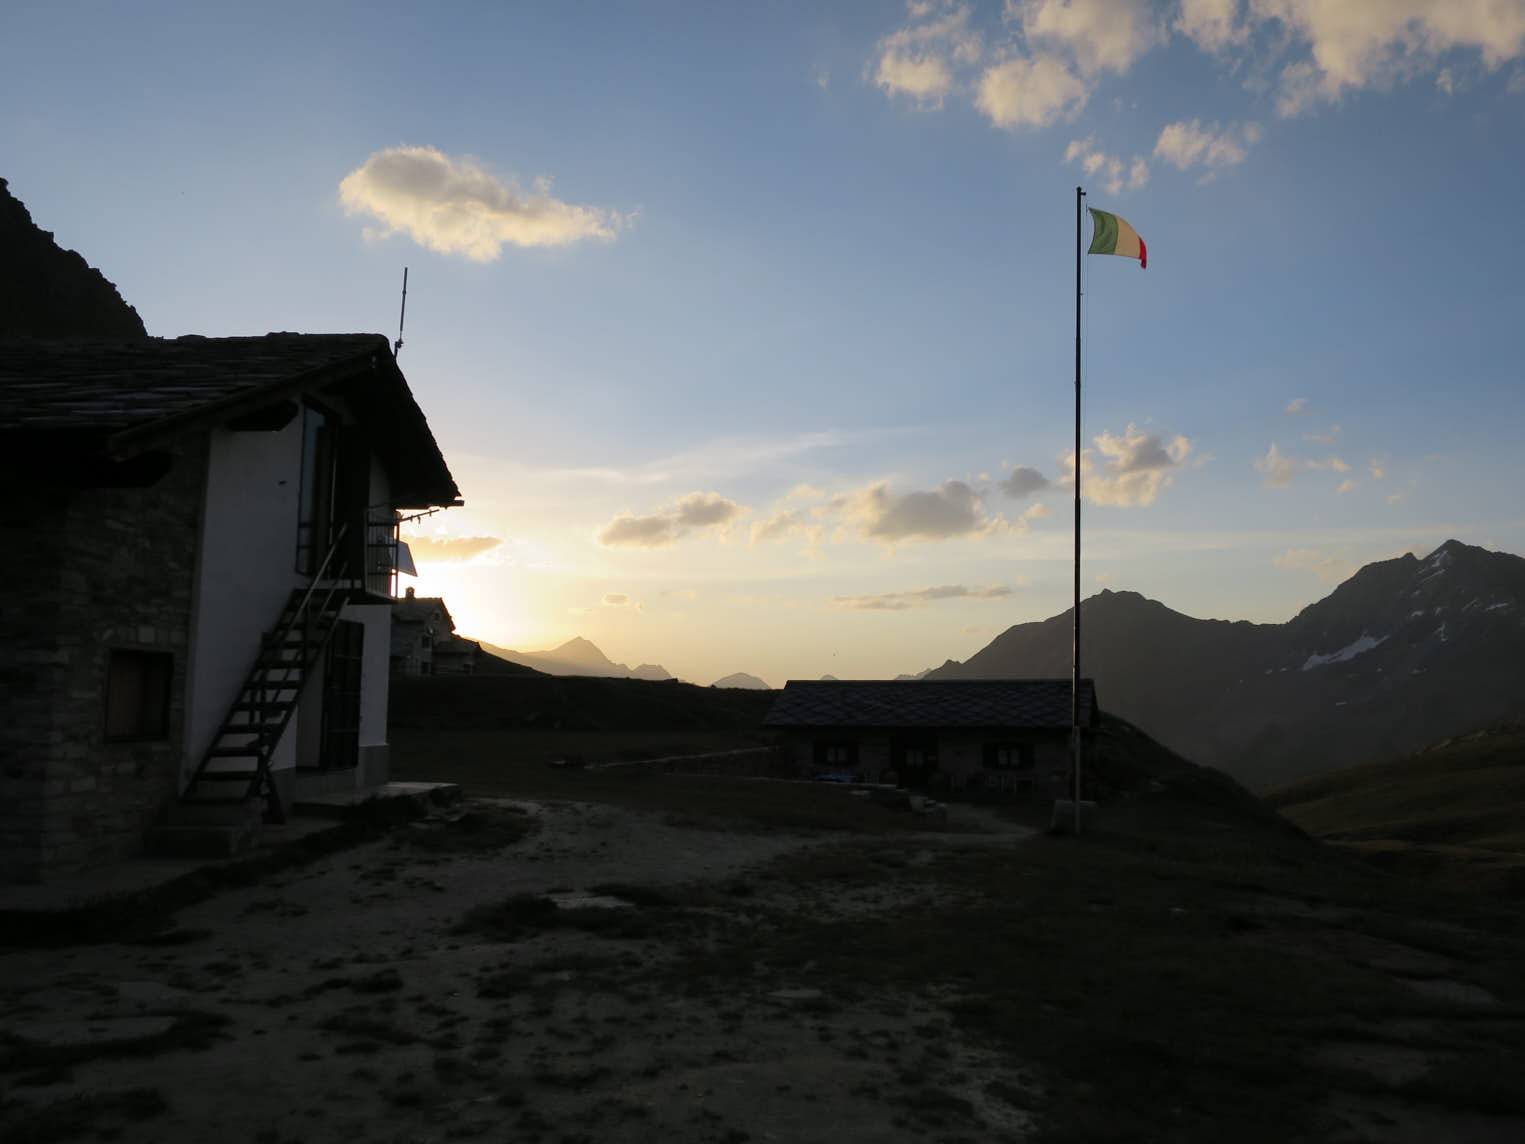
column 748, row 330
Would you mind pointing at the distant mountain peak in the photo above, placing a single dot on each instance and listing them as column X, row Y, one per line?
column 581, row 646
column 580, row 656
column 742, row 679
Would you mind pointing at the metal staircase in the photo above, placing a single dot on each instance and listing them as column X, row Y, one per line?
column 232, row 786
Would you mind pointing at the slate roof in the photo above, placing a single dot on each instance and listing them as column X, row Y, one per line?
column 132, row 395
column 420, row 610
column 1027, row 704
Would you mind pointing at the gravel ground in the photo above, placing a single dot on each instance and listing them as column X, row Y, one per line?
column 341, row 1001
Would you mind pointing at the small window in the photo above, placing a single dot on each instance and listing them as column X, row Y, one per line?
column 838, row 754
column 137, row 695
column 1009, row 756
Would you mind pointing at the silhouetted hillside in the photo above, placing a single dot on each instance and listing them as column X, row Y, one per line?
column 1403, row 653
column 1454, row 811
column 48, row 292
column 578, row 656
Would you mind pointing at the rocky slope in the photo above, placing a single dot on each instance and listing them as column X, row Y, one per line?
column 48, row 292
column 1405, row 652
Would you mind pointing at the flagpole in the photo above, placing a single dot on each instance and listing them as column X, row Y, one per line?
column 1075, row 652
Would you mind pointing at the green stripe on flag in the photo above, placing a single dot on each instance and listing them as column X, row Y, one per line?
column 1104, row 237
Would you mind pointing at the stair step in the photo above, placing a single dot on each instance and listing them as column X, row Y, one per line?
column 223, row 811
column 248, row 751
column 227, row 776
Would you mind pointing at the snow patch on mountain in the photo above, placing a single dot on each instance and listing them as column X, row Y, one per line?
column 1363, row 644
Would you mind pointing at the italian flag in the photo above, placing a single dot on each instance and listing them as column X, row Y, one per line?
column 1113, row 235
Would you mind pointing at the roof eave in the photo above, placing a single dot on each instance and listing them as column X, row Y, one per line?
column 154, row 434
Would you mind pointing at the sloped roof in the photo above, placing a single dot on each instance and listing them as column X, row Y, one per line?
column 133, row 395
column 420, row 610
column 1028, row 704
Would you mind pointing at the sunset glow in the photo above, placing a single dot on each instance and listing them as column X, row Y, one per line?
column 751, row 349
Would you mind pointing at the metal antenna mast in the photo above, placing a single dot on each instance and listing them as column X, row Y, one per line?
column 402, row 314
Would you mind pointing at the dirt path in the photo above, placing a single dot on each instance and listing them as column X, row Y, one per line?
column 340, row 1002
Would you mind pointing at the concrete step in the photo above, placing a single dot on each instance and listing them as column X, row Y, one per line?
column 224, row 811
column 205, row 841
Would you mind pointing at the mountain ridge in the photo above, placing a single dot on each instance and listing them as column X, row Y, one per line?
column 578, row 656
column 1404, row 652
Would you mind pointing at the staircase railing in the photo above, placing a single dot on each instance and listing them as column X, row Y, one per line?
column 275, row 671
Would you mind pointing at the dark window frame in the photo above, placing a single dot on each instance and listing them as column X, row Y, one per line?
column 1024, row 756
column 137, row 694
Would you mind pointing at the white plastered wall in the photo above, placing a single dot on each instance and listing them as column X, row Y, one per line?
column 247, row 569
column 246, row 572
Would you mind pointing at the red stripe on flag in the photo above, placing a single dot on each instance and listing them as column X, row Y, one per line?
column 1143, row 255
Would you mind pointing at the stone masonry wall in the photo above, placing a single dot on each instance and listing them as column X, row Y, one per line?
column 114, row 569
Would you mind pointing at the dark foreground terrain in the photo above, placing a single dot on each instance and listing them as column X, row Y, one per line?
column 1449, row 815
column 589, row 955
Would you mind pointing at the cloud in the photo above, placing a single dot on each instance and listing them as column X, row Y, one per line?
column 1138, row 467
column 926, row 78
column 1355, row 46
column 443, row 548
column 1326, row 566
column 454, row 206
column 780, row 526
column 806, row 491
column 701, row 510
column 950, row 511
column 1296, row 406
column 1189, row 145
column 1279, row 469
column 1101, row 35
column 1109, row 167
column 1023, row 481
column 1049, row 56
column 1347, row 486
column 1378, row 470
column 691, row 513
column 904, row 601
column 1333, row 464
column 627, row 531
column 918, row 60
column 1212, row 25
column 1029, row 92
column 621, row 600
column 1327, row 437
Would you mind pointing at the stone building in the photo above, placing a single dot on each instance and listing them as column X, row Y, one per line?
column 424, row 640
column 197, row 625
column 419, row 623
column 980, row 735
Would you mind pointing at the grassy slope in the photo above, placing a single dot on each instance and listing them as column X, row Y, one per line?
column 1451, row 812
